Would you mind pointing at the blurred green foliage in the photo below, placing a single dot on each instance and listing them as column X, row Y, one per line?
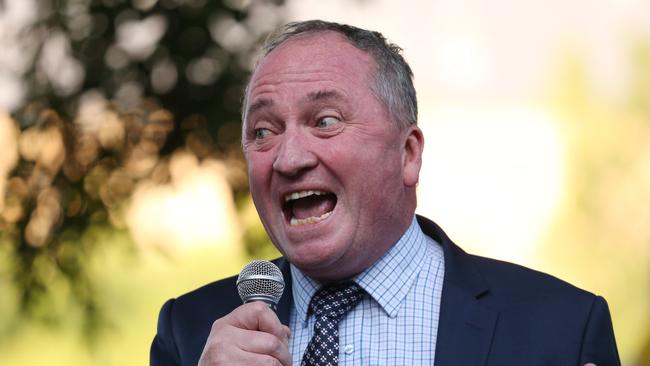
column 601, row 237
column 113, row 88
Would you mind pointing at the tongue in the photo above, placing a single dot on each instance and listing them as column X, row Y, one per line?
column 313, row 206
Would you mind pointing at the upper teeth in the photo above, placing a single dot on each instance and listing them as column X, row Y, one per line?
column 301, row 194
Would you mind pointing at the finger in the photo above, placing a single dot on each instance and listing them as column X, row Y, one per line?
column 257, row 316
column 590, row 364
column 287, row 334
column 260, row 360
column 265, row 344
column 250, row 329
column 236, row 356
column 228, row 345
column 269, row 322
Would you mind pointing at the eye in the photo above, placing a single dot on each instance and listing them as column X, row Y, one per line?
column 261, row 133
column 327, row 122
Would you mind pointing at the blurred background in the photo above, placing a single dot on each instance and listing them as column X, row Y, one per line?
column 122, row 183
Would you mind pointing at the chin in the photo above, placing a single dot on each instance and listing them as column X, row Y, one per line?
column 319, row 262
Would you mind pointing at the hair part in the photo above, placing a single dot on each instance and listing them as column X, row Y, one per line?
column 392, row 78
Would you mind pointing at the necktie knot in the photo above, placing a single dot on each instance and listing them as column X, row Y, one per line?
column 335, row 300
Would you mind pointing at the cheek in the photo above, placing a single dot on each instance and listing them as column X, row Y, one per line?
column 259, row 165
column 259, row 178
column 377, row 180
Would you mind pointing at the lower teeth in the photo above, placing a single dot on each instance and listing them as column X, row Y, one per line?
column 309, row 220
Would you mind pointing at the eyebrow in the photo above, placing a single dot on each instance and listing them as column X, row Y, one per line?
column 324, row 95
column 259, row 104
column 320, row 95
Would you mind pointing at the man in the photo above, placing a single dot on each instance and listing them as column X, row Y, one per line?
column 334, row 154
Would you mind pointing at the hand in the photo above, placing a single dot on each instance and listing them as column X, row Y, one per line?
column 250, row 335
column 590, row 364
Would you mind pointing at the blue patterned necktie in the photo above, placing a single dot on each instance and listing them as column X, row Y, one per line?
column 329, row 305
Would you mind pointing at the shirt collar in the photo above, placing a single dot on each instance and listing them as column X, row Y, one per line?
column 303, row 288
column 387, row 281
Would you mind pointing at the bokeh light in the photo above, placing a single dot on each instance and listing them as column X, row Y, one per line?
column 196, row 208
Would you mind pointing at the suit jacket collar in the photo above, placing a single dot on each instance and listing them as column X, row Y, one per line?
column 459, row 267
column 465, row 326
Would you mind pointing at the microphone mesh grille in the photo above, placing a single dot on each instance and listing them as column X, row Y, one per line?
column 260, row 279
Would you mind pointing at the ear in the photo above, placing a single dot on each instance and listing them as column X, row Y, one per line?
column 412, row 155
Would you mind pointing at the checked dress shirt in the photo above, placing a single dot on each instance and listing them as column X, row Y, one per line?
column 396, row 321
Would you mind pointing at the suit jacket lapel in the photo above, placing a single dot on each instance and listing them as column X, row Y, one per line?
column 465, row 326
column 465, row 329
column 284, row 306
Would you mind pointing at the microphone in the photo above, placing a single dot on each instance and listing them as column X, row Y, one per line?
column 261, row 281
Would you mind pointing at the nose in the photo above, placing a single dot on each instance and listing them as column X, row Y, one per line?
column 294, row 155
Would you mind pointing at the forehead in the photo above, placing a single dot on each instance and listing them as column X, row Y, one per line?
column 325, row 57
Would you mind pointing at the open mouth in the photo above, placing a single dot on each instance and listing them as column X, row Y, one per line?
column 308, row 207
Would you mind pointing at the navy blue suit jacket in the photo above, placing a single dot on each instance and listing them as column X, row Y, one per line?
column 492, row 313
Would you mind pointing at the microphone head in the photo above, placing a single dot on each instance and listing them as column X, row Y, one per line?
column 260, row 280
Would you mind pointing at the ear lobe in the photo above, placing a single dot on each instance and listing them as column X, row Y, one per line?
column 412, row 155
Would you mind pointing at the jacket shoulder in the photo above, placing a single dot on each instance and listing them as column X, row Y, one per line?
column 185, row 322
column 207, row 303
column 575, row 324
column 503, row 281
column 515, row 283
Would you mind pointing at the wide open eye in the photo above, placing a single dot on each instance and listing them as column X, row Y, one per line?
column 327, row 121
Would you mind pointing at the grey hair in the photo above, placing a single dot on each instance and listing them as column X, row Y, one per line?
column 393, row 78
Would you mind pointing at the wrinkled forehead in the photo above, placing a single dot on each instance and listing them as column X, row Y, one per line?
column 312, row 54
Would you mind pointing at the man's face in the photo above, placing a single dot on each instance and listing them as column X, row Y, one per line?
column 331, row 175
